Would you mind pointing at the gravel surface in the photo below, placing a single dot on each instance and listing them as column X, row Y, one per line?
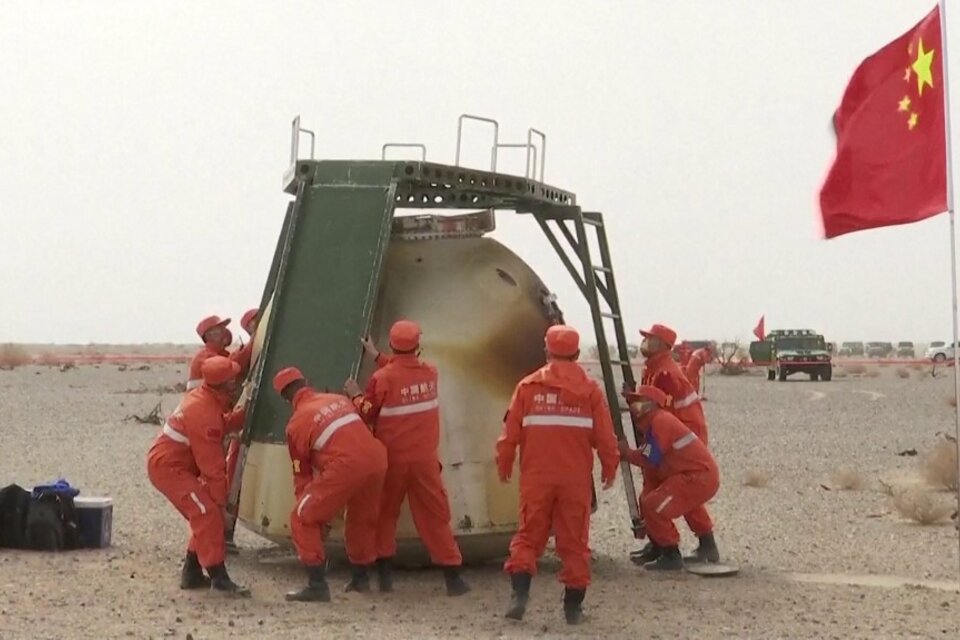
column 800, row 433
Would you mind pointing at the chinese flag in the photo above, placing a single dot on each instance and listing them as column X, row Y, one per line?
column 891, row 147
column 759, row 330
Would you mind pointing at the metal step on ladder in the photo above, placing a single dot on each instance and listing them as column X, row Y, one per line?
column 598, row 286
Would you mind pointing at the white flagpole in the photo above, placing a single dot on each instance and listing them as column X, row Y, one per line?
column 953, row 238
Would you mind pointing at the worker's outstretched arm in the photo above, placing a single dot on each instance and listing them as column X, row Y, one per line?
column 233, row 421
column 604, row 439
column 510, row 437
column 207, row 446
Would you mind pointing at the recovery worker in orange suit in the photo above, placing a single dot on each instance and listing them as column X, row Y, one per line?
column 216, row 338
column 243, row 357
column 558, row 416
column 694, row 367
column 336, row 462
column 186, row 465
column 683, row 401
column 402, row 407
column 679, row 473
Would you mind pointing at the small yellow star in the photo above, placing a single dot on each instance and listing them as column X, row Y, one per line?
column 912, row 122
column 906, row 75
column 921, row 66
column 904, row 104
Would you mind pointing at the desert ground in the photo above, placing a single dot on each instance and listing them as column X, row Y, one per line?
column 817, row 561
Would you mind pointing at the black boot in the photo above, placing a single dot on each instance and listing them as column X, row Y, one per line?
column 456, row 586
column 385, row 574
column 669, row 560
column 649, row 553
column 316, row 590
column 706, row 552
column 228, row 542
column 573, row 605
column 220, row 582
column 521, row 594
column 359, row 580
column 191, row 576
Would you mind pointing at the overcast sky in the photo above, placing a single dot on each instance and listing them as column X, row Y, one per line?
column 143, row 146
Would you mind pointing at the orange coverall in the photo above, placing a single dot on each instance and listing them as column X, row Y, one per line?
column 195, row 379
column 242, row 357
column 336, row 463
column 186, row 464
column 401, row 404
column 679, row 475
column 695, row 366
column 558, row 416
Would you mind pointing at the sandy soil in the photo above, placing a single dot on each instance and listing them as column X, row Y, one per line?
column 72, row 423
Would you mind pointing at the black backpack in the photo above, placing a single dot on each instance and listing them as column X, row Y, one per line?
column 51, row 523
column 14, row 505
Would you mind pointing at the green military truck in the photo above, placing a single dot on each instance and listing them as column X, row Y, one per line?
column 789, row 351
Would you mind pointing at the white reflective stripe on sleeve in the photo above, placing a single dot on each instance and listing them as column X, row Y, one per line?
column 193, row 384
column 557, row 421
column 332, row 428
column 680, row 443
column 663, row 505
column 686, row 402
column 408, row 409
column 175, row 435
column 196, row 500
column 303, row 501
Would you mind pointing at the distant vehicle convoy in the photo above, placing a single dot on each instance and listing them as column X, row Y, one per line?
column 879, row 349
column 789, row 351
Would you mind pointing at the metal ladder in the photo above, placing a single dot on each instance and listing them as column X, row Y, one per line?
column 598, row 286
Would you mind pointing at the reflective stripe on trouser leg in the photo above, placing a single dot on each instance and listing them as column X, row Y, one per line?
column 571, row 524
column 391, row 498
column 430, row 508
column 537, row 503
column 360, row 526
column 191, row 499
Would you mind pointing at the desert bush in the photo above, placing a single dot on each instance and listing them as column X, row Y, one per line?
column 872, row 373
column 922, row 506
column 939, row 466
column 13, row 356
column 756, row 478
column 903, row 373
column 917, row 366
column 855, row 369
column 848, row 480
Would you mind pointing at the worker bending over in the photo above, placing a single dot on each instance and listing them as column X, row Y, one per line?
column 679, row 473
column 336, row 462
column 694, row 367
column 558, row 416
column 186, row 464
column 216, row 338
column 402, row 407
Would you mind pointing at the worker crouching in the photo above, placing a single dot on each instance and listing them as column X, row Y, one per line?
column 186, row 464
column 558, row 416
column 336, row 462
column 401, row 404
column 679, row 474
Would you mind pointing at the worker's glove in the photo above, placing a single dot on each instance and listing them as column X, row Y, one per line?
column 626, row 388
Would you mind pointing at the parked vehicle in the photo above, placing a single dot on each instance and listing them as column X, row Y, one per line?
column 879, row 349
column 851, row 349
column 939, row 354
column 794, row 351
column 906, row 350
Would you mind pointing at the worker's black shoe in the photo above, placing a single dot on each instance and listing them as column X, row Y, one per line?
column 191, row 576
column 316, row 590
column 385, row 574
column 573, row 605
column 221, row 583
column 520, row 596
column 456, row 586
column 232, row 548
column 359, row 579
column 706, row 552
column 669, row 560
column 649, row 553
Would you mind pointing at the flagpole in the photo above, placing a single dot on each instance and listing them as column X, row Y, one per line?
column 953, row 242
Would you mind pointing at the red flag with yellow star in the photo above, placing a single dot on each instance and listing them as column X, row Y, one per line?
column 890, row 167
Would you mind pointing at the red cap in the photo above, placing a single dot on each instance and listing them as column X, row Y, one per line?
column 647, row 392
column 211, row 322
column 668, row 335
column 286, row 377
column 249, row 316
column 562, row 341
column 217, row 370
column 404, row 335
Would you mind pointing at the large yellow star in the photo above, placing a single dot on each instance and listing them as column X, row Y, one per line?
column 921, row 66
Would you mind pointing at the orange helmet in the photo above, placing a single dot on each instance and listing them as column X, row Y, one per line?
column 286, row 377
column 404, row 335
column 217, row 370
column 666, row 334
column 248, row 317
column 647, row 392
column 211, row 322
column 562, row 341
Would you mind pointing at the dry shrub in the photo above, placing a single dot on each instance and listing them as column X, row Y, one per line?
column 872, row 373
column 922, row 506
column 13, row 356
column 755, row 478
column 848, row 480
column 855, row 369
column 917, row 366
column 884, row 365
column 903, row 373
column 939, row 466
